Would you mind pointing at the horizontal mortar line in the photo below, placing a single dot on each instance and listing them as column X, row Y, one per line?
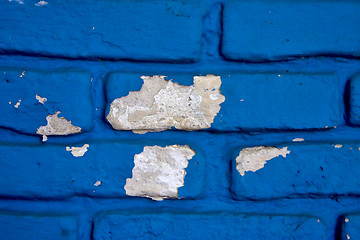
column 290, row 58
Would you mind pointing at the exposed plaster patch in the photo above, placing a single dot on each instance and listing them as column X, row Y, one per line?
column 162, row 104
column 338, row 146
column 40, row 99
column 17, row 104
column 298, row 140
column 159, row 172
column 254, row 158
column 41, row 3
column 78, row 151
column 57, row 126
column 346, row 220
column 98, row 183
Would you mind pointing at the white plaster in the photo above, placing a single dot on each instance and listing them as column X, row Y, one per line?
column 159, row 172
column 338, row 146
column 98, row 183
column 57, row 126
column 162, row 104
column 298, row 140
column 78, row 151
column 254, row 158
column 41, row 3
column 40, row 99
column 17, row 104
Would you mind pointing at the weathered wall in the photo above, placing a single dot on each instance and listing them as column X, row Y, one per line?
column 256, row 137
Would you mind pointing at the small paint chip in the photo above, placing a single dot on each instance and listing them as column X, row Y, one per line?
column 41, row 3
column 17, row 104
column 298, row 140
column 159, row 172
column 338, row 146
column 78, row 151
column 98, row 183
column 40, row 99
column 346, row 220
column 255, row 158
column 19, row 1
column 22, row 74
column 347, row 236
column 57, row 126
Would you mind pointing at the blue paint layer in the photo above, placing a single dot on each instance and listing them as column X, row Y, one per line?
column 66, row 91
column 268, row 30
column 210, row 226
column 355, row 100
column 56, row 173
column 318, row 170
column 21, row 225
column 138, row 30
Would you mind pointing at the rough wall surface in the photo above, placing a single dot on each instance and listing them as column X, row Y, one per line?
column 256, row 136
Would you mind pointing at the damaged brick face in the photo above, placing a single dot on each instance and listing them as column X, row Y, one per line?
column 57, row 126
column 255, row 158
column 159, row 172
column 162, row 104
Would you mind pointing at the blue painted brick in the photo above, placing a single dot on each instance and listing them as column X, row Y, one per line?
column 20, row 226
column 206, row 226
column 66, row 91
column 258, row 100
column 268, row 30
column 278, row 101
column 140, row 30
column 355, row 100
column 350, row 226
column 309, row 170
column 31, row 171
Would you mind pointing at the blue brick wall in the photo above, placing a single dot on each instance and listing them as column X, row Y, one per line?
column 289, row 70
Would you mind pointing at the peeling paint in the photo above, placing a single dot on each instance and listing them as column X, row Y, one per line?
column 255, row 158
column 298, row 140
column 41, row 3
column 159, row 172
column 17, row 104
column 98, row 183
column 40, row 99
column 162, row 104
column 78, row 151
column 338, row 146
column 57, row 126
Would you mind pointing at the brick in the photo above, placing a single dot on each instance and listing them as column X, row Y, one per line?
column 50, row 171
column 66, row 91
column 262, row 30
column 308, row 170
column 350, row 227
column 19, row 226
column 355, row 100
column 258, row 100
column 137, row 30
column 206, row 226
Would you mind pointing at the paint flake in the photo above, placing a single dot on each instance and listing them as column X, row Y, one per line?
column 159, row 172
column 40, row 99
column 98, row 183
column 78, row 151
column 255, row 158
column 338, row 146
column 162, row 104
column 57, row 126
column 17, row 104
column 298, row 140
column 41, row 3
